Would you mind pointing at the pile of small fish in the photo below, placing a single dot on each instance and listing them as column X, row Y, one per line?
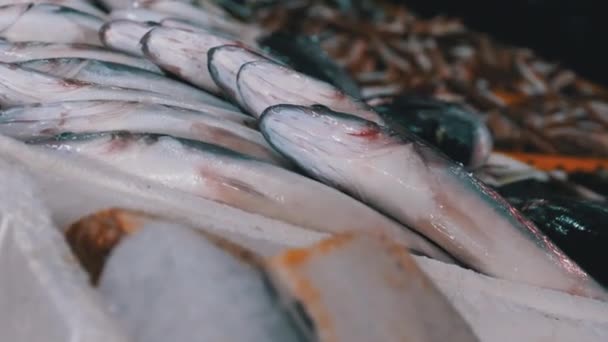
column 184, row 98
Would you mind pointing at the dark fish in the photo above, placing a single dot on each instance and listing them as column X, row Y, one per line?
column 453, row 129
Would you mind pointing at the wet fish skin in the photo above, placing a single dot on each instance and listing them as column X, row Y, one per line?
column 31, row 51
column 381, row 277
column 263, row 84
column 125, row 35
column 21, row 22
column 168, row 282
column 409, row 181
column 238, row 181
column 224, row 63
column 79, row 5
column 183, row 54
column 117, row 75
column 48, row 120
column 16, row 88
column 138, row 14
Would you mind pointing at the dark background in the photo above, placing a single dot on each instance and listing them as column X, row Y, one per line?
column 572, row 32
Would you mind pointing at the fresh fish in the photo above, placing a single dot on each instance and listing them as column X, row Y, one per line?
column 305, row 55
column 224, row 64
column 79, row 5
column 125, row 35
column 577, row 227
column 183, row 54
column 409, row 181
column 48, row 23
column 456, row 131
column 20, row 86
column 357, row 288
column 117, row 75
column 239, row 181
column 47, row 120
column 138, row 14
column 31, row 51
column 166, row 282
column 264, row 84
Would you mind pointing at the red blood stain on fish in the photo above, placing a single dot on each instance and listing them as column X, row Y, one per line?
column 370, row 132
column 73, row 83
column 118, row 144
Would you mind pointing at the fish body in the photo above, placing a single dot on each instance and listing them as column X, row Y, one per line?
column 117, row 75
column 125, row 35
column 48, row 23
column 239, row 181
column 47, row 120
column 79, row 5
column 409, row 181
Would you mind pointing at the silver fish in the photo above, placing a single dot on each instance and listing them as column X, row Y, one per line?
column 239, row 181
column 117, row 75
column 264, row 84
column 183, row 53
column 139, row 14
column 125, row 35
column 224, row 64
column 356, row 288
column 79, row 5
column 27, row 122
column 167, row 282
column 20, row 86
column 31, row 51
column 48, row 23
column 412, row 183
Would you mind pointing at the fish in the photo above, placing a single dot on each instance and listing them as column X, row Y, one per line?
column 236, row 180
column 79, row 5
column 224, row 63
column 21, row 23
column 138, row 14
column 118, row 75
column 167, row 282
column 409, row 181
column 262, row 84
column 50, row 119
column 453, row 129
column 31, row 51
column 17, row 88
column 335, row 279
column 125, row 35
column 183, row 54
column 578, row 227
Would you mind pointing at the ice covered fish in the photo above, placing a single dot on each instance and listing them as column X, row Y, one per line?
column 20, row 86
column 183, row 53
column 168, row 283
column 234, row 179
column 125, row 35
column 119, row 75
column 357, row 288
column 48, row 23
column 31, row 51
column 79, row 5
column 224, row 64
column 263, row 84
column 47, row 120
column 408, row 180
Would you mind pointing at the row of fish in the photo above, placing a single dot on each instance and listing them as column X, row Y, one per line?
column 184, row 96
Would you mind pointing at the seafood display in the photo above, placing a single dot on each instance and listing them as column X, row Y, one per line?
column 173, row 171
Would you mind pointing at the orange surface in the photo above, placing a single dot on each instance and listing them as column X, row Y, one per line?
column 548, row 162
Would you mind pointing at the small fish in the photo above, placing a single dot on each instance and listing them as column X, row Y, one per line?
column 239, row 181
column 125, row 35
column 454, row 130
column 263, row 84
column 356, row 288
column 79, row 5
column 50, row 119
column 22, row 22
column 117, row 75
column 167, row 282
column 31, row 51
column 408, row 180
column 224, row 64
column 183, row 54
column 138, row 14
column 19, row 86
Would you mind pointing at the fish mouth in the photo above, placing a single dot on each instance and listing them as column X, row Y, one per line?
column 307, row 133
